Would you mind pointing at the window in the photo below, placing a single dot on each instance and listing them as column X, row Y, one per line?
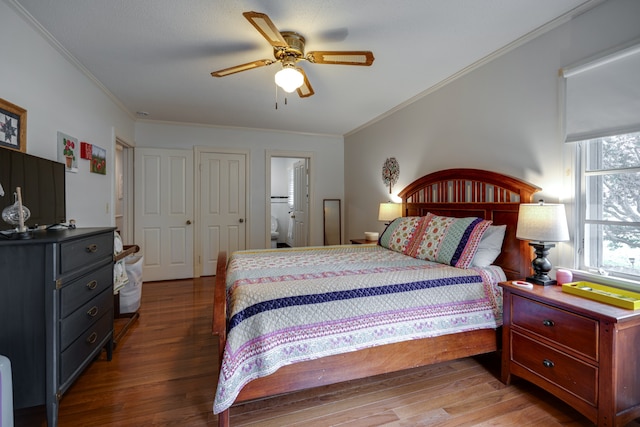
column 291, row 195
column 602, row 99
column 610, row 205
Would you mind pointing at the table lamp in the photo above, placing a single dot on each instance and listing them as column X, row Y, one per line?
column 389, row 211
column 542, row 223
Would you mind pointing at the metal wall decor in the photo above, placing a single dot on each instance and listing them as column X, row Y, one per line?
column 390, row 172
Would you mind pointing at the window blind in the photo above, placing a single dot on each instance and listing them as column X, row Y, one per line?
column 602, row 96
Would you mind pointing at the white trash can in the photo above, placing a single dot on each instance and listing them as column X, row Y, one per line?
column 131, row 293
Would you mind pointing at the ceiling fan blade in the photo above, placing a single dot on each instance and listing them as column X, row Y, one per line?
column 243, row 67
column 354, row 57
column 305, row 90
column 266, row 27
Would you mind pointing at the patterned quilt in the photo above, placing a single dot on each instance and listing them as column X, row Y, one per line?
column 292, row 305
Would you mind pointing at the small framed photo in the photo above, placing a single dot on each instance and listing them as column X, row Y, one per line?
column 13, row 126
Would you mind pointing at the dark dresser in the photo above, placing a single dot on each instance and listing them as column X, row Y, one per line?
column 56, row 310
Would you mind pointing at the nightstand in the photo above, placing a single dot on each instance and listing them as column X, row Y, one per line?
column 363, row 242
column 582, row 351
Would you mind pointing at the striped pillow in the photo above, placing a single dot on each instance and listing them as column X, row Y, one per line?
column 399, row 234
column 442, row 239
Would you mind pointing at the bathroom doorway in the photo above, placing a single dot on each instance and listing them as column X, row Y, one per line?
column 288, row 204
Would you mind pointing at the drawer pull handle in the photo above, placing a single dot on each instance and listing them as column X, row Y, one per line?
column 92, row 248
column 93, row 311
column 92, row 285
column 548, row 323
column 548, row 363
column 92, row 338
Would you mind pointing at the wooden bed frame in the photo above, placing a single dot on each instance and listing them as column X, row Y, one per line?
column 451, row 192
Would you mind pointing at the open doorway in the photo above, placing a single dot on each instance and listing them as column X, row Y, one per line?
column 123, row 206
column 289, row 195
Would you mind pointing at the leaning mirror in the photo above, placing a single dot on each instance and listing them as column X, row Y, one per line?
column 332, row 222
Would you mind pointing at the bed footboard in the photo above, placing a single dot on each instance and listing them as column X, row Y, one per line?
column 219, row 327
column 219, row 324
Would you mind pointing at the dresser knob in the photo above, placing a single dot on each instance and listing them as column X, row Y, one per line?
column 92, row 338
column 548, row 322
column 548, row 363
column 93, row 311
column 92, row 248
column 92, row 285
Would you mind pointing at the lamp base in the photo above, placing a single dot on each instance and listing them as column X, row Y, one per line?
column 541, row 281
column 541, row 265
column 16, row 235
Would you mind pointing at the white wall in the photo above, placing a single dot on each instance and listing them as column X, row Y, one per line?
column 503, row 116
column 280, row 175
column 327, row 179
column 58, row 97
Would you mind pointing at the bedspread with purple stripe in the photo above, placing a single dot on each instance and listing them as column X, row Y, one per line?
column 292, row 305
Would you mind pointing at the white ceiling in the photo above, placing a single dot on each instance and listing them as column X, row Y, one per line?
column 156, row 56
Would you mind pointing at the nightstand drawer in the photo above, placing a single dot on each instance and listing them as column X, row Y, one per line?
column 568, row 373
column 570, row 330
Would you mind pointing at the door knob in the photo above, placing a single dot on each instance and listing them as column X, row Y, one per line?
column 241, row 220
column 293, row 216
column 188, row 222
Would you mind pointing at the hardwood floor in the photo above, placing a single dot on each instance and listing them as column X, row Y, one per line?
column 163, row 373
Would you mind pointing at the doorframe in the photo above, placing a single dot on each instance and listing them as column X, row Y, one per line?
column 197, row 241
column 310, row 156
column 128, row 188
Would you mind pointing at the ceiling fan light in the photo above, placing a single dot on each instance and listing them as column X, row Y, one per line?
column 289, row 79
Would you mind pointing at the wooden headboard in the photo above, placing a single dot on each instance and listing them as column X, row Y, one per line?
column 474, row 192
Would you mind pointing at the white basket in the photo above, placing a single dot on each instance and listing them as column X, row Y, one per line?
column 131, row 293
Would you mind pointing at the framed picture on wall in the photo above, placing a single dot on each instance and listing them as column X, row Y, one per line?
column 98, row 160
column 67, row 152
column 13, row 126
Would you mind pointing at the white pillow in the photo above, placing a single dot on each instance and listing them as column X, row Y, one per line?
column 490, row 246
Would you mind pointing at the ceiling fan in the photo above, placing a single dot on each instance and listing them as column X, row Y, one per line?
column 288, row 49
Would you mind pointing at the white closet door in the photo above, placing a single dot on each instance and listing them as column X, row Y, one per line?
column 222, row 207
column 164, row 212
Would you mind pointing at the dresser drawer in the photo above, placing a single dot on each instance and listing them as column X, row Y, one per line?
column 571, row 330
column 81, row 319
column 83, row 347
column 81, row 290
column 568, row 373
column 86, row 251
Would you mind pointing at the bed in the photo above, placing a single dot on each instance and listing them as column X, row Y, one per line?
column 371, row 318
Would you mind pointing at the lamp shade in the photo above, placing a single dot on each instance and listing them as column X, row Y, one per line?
column 389, row 211
column 542, row 222
column 289, row 79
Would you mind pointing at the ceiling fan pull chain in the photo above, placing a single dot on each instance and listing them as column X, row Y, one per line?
column 285, row 98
